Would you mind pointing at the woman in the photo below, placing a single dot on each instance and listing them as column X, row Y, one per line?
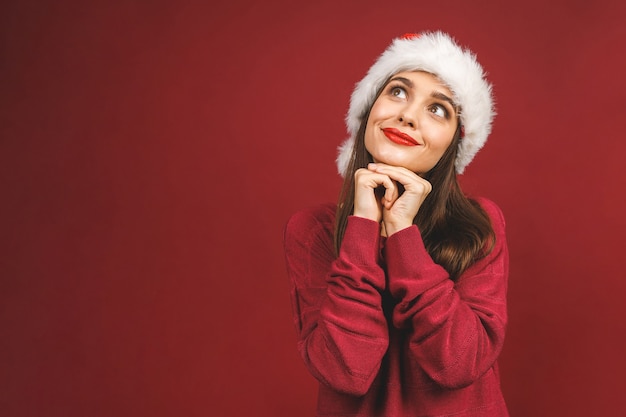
column 399, row 291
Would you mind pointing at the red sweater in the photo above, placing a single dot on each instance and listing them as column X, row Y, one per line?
column 385, row 330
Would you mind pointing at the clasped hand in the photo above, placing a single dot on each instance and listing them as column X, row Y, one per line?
column 403, row 192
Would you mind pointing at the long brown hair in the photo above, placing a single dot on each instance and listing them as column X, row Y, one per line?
column 455, row 229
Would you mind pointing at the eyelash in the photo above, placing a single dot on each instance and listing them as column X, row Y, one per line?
column 442, row 107
column 393, row 88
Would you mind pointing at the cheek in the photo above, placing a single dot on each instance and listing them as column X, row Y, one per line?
column 376, row 116
column 368, row 141
column 380, row 110
column 442, row 139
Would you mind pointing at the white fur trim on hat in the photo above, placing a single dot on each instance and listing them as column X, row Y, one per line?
column 438, row 54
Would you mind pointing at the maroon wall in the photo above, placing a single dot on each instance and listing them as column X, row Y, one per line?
column 151, row 152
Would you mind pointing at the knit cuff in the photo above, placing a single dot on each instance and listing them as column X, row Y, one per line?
column 406, row 256
column 361, row 241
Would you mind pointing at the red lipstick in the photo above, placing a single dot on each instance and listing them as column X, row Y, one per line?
column 398, row 137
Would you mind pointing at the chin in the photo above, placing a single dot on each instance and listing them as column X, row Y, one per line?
column 396, row 162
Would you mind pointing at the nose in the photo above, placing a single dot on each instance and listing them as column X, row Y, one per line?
column 408, row 118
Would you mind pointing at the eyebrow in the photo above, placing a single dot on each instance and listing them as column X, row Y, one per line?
column 435, row 94
column 441, row 96
column 403, row 80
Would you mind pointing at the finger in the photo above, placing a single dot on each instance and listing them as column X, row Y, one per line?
column 384, row 188
column 404, row 176
column 372, row 180
column 391, row 192
column 396, row 173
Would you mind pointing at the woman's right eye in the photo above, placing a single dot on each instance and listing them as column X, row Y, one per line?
column 398, row 92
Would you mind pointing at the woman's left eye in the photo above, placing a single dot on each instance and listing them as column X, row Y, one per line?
column 438, row 110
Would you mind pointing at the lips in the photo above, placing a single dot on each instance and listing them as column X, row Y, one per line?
column 398, row 137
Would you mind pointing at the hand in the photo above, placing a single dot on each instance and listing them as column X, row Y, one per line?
column 398, row 211
column 368, row 186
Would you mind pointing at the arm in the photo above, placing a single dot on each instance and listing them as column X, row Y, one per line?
column 342, row 332
column 457, row 329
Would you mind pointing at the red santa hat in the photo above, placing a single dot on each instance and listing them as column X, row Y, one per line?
column 436, row 53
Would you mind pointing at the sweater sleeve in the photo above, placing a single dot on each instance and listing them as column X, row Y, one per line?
column 456, row 329
column 341, row 328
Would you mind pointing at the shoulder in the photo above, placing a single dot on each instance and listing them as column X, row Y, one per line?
column 308, row 240
column 311, row 221
column 315, row 216
column 492, row 209
column 494, row 213
column 495, row 259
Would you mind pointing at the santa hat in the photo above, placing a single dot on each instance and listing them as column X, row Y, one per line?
column 438, row 54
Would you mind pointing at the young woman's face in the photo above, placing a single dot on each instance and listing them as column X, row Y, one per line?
column 412, row 122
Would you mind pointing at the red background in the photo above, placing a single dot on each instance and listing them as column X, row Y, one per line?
column 151, row 152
